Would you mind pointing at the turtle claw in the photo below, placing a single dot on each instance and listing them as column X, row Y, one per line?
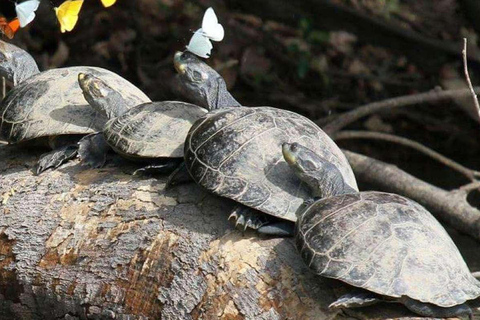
column 233, row 216
column 56, row 158
column 246, row 218
column 240, row 223
column 93, row 149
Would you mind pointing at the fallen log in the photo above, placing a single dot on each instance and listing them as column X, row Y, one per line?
column 78, row 243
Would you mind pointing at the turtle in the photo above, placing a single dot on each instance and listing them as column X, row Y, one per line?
column 48, row 108
column 387, row 246
column 235, row 152
column 201, row 84
column 152, row 132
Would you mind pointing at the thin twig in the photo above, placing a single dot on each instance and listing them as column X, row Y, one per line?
column 467, row 77
column 433, row 96
column 469, row 187
column 468, row 173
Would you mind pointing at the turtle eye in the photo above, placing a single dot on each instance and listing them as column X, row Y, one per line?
column 309, row 165
column 198, row 76
column 294, row 147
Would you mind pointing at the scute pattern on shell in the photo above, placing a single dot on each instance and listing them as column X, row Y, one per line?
column 51, row 103
column 155, row 129
column 387, row 244
column 237, row 153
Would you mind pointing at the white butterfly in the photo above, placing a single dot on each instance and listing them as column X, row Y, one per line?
column 200, row 45
column 210, row 26
column 26, row 11
column 211, row 30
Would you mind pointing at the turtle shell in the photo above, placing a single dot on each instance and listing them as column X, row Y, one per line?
column 237, row 153
column 386, row 244
column 51, row 103
column 152, row 130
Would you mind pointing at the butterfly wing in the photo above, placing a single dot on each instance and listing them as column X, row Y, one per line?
column 210, row 26
column 14, row 25
column 200, row 45
column 108, row 3
column 5, row 29
column 209, row 18
column 67, row 14
column 9, row 28
column 26, row 11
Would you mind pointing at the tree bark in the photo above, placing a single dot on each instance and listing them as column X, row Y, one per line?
column 78, row 243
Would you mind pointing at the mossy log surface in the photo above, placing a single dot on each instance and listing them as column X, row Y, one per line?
column 78, row 243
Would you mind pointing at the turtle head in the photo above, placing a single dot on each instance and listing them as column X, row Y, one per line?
column 322, row 176
column 16, row 64
column 202, row 83
column 103, row 98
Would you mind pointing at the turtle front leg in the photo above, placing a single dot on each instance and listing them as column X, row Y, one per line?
column 179, row 176
column 93, row 150
column 431, row 310
column 245, row 217
column 355, row 299
column 162, row 167
column 56, row 158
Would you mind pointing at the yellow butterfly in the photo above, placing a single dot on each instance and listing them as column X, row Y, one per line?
column 67, row 14
column 108, row 3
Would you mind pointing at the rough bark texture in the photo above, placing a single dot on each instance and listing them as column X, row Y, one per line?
column 77, row 243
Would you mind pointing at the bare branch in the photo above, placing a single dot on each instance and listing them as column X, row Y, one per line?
column 468, row 173
column 451, row 207
column 468, row 187
column 467, row 76
column 432, row 96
